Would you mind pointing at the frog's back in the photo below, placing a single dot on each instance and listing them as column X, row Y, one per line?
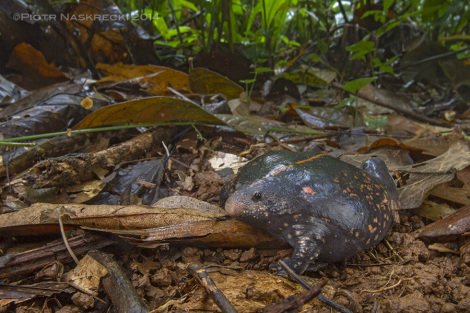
column 261, row 167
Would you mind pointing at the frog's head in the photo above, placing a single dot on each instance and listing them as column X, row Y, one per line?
column 257, row 203
column 245, row 203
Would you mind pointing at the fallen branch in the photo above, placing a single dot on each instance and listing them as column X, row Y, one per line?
column 404, row 111
column 118, row 287
column 75, row 169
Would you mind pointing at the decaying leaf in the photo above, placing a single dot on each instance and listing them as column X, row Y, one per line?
column 86, row 276
column 31, row 61
column 146, row 111
column 19, row 294
column 449, row 227
column 208, row 82
column 163, row 213
column 426, row 175
column 157, row 84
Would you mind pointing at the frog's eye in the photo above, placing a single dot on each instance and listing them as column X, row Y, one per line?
column 256, row 196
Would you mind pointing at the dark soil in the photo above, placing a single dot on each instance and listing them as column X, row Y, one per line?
column 401, row 274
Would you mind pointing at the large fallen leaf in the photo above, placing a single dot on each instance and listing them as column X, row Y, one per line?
column 40, row 96
column 10, row 92
column 168, row 211
column 156, row 84
column 175, row 220
column 434, row 211
column 148, row 110
column 30, row 61
column 456, row 191
column 426, row 175
column 453, row 225
column 248, row 291
column 385, row 96
column 204, row 233
column 208, row 82
column 432, row 141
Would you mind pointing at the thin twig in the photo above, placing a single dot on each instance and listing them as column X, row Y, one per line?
column 304, row 284
column 64, row 237
column 343, row 12
column 293, row 303
column 170, row 4
column 435, row 57
column 393, row 250
column 166, row 149
column 179, row 94
column 405, row 111
column 219, row 298
column 380, row 290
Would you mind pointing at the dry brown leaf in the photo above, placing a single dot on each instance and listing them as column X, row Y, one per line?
column 182, row 210
column 87, row 275
column 426, row 175
column 206, row 81
column 156, row 85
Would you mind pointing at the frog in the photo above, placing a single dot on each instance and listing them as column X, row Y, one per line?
column 326, row 209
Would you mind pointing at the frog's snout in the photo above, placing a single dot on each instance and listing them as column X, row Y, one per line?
column 238, row 204
column 233, row 207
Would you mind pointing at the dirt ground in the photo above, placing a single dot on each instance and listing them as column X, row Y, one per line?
column 401, row 274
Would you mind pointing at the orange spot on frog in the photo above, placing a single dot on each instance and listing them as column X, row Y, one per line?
column 309, row 190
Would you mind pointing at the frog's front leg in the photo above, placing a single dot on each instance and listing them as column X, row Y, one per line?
column 306, row 252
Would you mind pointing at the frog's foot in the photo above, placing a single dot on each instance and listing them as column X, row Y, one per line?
column 296, row 267
column 316, row 267
column 306, row 252
column 279, row 270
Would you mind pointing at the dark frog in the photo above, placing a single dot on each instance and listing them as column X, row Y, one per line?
column 328, row 210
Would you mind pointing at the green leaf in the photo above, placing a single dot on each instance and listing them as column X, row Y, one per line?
column 375, row 121
column 262, row 70
column 361, row 46
column 162, row 27
column 247, row 81
column 383, row 67
column 355, row 85
column 387, row 4
column 174, row 32
column 189, row 5
column 346, row 102
column 322, row 46
column 361, row 49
